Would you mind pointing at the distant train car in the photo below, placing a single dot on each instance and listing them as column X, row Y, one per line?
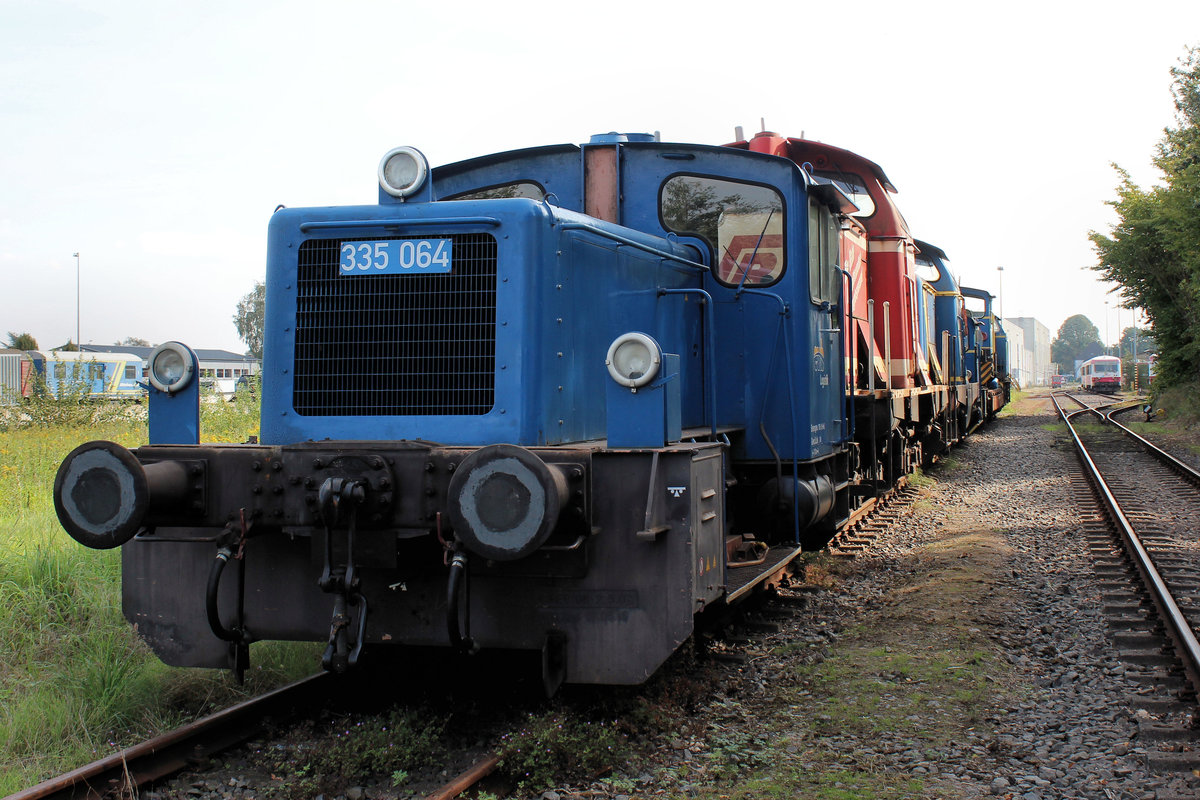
column 1057, row 381
column 97, row 376
column 1101, row 374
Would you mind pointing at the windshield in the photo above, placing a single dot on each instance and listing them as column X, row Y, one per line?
column 927, row 270
column 976, row 306
column 744, row 222
column 855, row 188
column 508, row 190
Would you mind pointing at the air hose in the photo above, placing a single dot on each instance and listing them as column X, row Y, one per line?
column 210, row 598
column 458, row 569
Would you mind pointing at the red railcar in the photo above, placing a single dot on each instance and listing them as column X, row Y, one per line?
column 879, row 253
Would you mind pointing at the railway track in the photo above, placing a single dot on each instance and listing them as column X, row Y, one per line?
column 1147, row 561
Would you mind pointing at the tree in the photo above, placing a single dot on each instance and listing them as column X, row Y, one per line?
column 1074, row 337
column 249, row 319
column 70, row 347
column 1154, row 249
column 133, row 341
column 1144, row 338
column 22, row 341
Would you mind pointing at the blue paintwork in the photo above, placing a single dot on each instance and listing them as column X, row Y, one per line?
column 771, row 360
column 948, row 309
column 175, row 418
column 982, row 333
column 648, row 417
column 552, row 332
column 557, row 169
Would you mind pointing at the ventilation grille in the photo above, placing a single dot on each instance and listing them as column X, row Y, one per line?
column 387, row 345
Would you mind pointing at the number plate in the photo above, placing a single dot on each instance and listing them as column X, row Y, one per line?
column 403, row 257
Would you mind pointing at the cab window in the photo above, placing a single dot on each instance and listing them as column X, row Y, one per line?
column 854, row 187
column 823, row 274
column 927, row 270
column 504, row 191
column 743, row 224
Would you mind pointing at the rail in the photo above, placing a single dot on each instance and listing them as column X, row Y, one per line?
column 120, row 774
column 1171, row 461
column 1187, row 648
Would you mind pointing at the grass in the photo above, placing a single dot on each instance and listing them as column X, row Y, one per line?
column 76, row 682
column 1018, row 404
column 919, row 672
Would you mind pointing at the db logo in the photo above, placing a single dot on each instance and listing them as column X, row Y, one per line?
column 765, row 250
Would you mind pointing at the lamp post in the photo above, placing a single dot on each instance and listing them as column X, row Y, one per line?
column 1000, row 295
column 1120, row 332
column 77, row 345
column 1107, row 330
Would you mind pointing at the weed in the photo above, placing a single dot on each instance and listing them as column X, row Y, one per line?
column 821, row 569
column 920, row 480
column 947, row 465
column 735, row 751
column 553, row 745
column 393, row 744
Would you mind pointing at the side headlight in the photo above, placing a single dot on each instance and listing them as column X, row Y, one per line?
column 402, row 171
column 172, row 367
column 633, row 359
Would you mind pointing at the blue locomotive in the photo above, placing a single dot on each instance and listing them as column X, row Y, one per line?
column 559, row 399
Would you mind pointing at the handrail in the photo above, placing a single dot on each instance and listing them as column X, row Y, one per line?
column 408, row 222
column 785, row 311
column 710, row 364
column 645, row 248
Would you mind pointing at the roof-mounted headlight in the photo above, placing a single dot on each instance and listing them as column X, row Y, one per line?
column 402, row 171
column 633, row 359
column 172, row 367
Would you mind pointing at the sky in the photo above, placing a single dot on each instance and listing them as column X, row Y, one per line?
column 155, row 139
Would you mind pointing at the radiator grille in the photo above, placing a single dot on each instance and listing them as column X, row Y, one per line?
column 389, row 345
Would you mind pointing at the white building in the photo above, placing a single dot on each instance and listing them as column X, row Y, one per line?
column 1037, row 344
column 1018, row 356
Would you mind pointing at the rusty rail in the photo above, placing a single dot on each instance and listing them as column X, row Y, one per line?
column 121, row 773
column 466, row 779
